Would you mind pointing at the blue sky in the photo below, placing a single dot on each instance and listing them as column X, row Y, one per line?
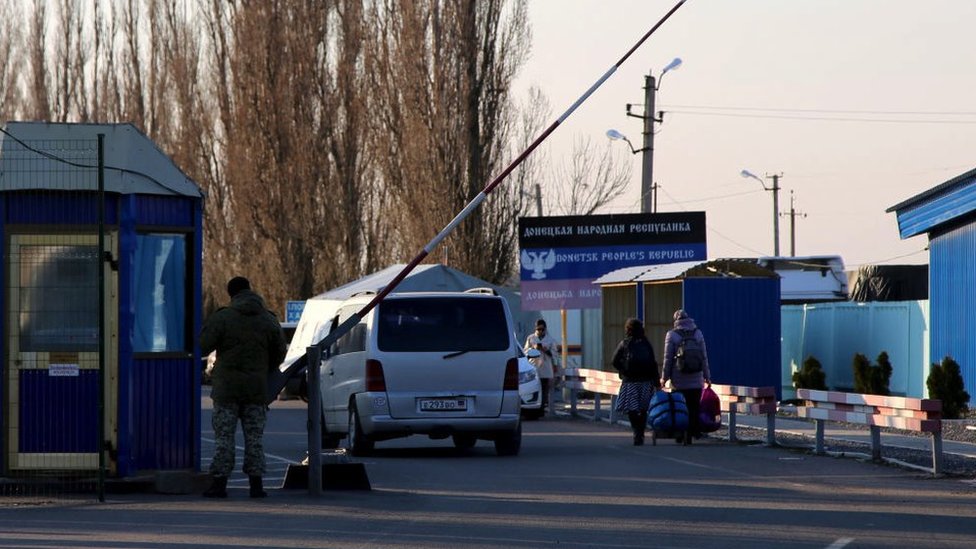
column 860, row 104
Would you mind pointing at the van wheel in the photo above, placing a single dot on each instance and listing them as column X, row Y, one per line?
column 464, row 442
column 357, row 443
column 509, row 444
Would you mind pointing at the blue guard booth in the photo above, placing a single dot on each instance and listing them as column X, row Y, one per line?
column 148, row 418
column 736, row 303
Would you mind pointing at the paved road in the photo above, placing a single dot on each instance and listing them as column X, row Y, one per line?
column 575, row 484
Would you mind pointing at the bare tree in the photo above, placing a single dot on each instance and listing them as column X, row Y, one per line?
column 11, row 62
column 590, row 180
column 331, row 138
column 38, row 106
column 446, row 70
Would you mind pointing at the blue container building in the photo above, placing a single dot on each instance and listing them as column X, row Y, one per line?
column 53, row 348
column 735, row 303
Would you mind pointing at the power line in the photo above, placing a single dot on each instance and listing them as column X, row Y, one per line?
column 890, row 258
column 824, row 119
column 824, row 111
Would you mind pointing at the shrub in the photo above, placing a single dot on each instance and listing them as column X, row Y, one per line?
column 945, row 383
column 810, row 375
column 870, row 379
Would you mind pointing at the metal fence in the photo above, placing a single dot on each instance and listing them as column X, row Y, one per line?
column 58, row 290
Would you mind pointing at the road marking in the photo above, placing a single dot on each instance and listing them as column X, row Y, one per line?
column 840, row 543
column 241, row 448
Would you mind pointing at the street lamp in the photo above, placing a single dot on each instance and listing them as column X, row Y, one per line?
column 775, row 190
column 647, row 167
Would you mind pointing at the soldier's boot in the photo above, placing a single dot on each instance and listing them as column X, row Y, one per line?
column 218, row 488
column 257, row 489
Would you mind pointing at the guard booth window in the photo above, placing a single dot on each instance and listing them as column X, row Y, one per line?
column 160, row 293
column 58, row 298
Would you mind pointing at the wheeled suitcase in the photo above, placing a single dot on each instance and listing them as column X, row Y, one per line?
column 667, row 416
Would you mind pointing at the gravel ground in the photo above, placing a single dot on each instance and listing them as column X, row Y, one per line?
column 954, row 465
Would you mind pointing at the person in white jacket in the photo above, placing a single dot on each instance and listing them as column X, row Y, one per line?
column 545, row 365
column 691, row 381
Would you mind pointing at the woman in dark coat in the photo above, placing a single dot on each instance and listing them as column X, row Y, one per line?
column 635, row 363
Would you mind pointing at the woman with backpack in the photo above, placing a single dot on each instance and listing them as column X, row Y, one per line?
column 686, row 367
column 635, row 363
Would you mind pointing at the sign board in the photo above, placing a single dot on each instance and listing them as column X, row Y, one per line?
column 293, row 310
column 63, row 370
column 561, row 256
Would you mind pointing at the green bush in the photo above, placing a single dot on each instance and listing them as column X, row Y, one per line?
column 810, row 375
column 945, row 383
column 870, row 379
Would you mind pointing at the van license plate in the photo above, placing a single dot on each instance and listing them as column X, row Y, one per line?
column 443, row 404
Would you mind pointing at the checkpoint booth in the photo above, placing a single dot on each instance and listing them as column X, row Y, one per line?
column 736, row 303
column 102, row 302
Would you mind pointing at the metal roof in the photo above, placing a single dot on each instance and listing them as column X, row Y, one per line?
column 647, row 273
column 938, row 189
column 44, row 155
column 937, row 207
column 428, row 277
column 732, row 268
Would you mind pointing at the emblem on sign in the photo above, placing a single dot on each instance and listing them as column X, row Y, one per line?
column 538, row 262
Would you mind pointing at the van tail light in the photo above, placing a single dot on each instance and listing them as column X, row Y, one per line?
column 375, row 382
column 511, row 375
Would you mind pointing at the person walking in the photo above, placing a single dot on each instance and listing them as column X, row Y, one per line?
column 249, row 342
column 686, row 367
column 635, row 364
column 545, row 365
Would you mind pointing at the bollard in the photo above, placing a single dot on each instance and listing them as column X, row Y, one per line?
column 875, row 442
column 732, row 435
column 819, row 440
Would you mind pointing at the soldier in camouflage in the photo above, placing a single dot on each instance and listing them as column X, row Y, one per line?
column 249, row 342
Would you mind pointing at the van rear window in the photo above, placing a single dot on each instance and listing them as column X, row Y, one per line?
column 442, row 324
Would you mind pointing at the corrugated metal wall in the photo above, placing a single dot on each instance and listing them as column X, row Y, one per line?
column 162, row 427
column 834, row 332
column 661, row 301
column 592, row 336
column 740, row 318
column 952, row 292
column 619, row 304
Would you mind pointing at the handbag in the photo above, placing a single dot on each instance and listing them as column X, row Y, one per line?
column 709, row 411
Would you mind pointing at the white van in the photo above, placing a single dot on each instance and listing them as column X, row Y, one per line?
column 441, row 364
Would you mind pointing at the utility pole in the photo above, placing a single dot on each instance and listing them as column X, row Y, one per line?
column 648, row 196
column 793, row 215
column 647, row 166
column 775, row 190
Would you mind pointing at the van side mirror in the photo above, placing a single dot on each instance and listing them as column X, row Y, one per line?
column 533, row 353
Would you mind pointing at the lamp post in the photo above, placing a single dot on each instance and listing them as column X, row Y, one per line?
column 647, row 167
column 775, row 190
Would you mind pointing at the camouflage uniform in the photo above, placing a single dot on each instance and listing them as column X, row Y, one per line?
column 249, row 342
column 225, row 423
